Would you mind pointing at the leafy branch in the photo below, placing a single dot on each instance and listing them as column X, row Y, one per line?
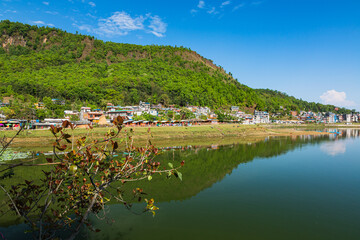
column 80, row 181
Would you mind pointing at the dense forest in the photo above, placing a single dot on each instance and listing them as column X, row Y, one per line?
column 40, row 63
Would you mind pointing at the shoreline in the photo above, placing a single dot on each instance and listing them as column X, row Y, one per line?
column 167, row 136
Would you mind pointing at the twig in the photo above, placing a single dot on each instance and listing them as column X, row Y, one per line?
column 16, row 209
column 8, row 144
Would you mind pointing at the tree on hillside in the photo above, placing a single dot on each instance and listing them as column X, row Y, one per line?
column 186, row 114
column 95, row 71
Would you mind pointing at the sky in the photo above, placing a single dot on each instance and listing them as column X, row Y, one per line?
column 309, row 49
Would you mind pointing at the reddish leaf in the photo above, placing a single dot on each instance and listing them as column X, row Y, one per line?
column 28, row 182
column 61, row 148
column 65, row 124
column 118, row 121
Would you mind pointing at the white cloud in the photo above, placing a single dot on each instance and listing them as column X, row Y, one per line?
column 212, row 11
column 38, row 22
column 87, row 28
column 225, row 3
column 201, row 4
column 46, row 3
column 121, row 23
column 42, row 23
column 52, row 13
column 10, row 11
column 336, row 98
column 90, row 15
column 157, row 26
column 92, row 4
column 193, row 11
column 238, row 6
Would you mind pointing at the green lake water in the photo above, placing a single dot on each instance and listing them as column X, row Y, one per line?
column 281, row 188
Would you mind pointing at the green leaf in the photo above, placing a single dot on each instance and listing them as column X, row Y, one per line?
column 171, row 165
column 179, row 175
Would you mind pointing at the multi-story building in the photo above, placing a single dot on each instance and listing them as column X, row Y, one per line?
column 261, row 117
column 331, row 118
column 84, row 114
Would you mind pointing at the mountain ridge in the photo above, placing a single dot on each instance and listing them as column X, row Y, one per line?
column 40, row 62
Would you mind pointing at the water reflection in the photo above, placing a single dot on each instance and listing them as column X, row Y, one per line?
column 292, row 191
column 224, row 190
column 18, row 153
column 339, row 143
column 334, row 148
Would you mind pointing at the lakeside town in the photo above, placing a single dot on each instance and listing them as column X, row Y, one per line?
column 146, row 114
column 198, row 120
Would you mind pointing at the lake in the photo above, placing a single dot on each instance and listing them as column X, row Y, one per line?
column 305, row 187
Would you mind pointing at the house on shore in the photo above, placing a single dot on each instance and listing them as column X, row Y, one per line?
column 261, row 117
column 84, row 113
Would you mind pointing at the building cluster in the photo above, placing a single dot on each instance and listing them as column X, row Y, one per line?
column 256, row 118
column 146, row 114
column 325, row 117
column 156, row 115
column 155, row 112
column 131, row 113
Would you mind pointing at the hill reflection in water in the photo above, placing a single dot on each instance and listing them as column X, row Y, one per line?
column 279, row 188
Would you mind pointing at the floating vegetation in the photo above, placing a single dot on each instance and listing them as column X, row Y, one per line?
column 11, row 154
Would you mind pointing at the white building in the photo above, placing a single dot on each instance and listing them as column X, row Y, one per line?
column 234, row 108
column 144, row 106
column 348, row 118
column 84, row 111
column 261, row 117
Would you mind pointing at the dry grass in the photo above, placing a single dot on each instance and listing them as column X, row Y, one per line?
column 167, row 136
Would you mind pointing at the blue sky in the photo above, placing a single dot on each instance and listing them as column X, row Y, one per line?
column 307, row 48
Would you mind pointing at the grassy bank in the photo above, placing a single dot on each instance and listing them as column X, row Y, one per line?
column 167, row 136
column 314, row 126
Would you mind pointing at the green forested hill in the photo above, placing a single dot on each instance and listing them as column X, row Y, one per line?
column 38, row 62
